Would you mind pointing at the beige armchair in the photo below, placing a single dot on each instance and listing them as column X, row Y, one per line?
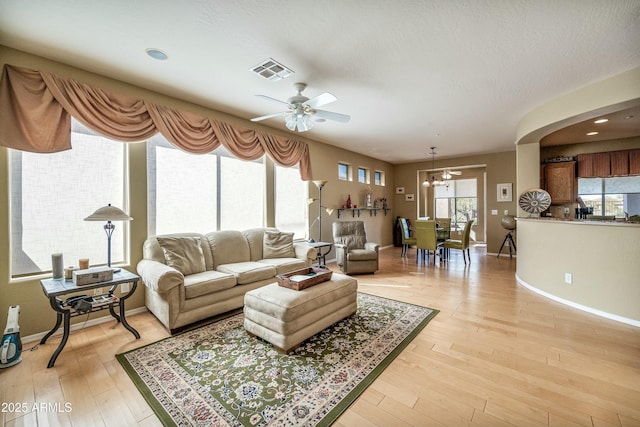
column 353, row 253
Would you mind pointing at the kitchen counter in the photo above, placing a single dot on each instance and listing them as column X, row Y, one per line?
column 579, row 221
column 598, row 258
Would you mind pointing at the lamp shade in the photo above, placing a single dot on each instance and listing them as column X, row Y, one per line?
column 108, row 213
column 319, row 182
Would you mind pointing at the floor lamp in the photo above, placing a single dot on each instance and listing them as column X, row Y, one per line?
column 319, row 183
column 109, row 213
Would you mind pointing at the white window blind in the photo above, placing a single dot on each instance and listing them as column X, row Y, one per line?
column 51, row 194
column 613, row 185
column 457, row 188
column 182, row 190
column 622, row 185
column 202, row 193
column 291, row 201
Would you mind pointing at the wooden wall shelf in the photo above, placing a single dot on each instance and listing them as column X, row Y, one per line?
column 372, row 211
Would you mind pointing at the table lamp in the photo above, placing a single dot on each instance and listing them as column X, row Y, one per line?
column 109, row 213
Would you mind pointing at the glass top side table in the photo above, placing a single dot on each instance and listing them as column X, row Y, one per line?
column 54, row 289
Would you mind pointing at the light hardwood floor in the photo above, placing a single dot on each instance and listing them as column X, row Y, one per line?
column 497, row 354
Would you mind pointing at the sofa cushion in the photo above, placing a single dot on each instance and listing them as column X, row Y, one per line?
column 277, row 244
column 228, row 247
column 254, row 237
column 248, row 272
column 285, row 265
column 183, row 253
column 362, row 255
column 196, row 285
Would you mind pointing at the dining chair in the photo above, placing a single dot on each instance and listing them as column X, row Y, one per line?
column 462, row 244
column 407, row 240
column 443, row 227
column 426, row 239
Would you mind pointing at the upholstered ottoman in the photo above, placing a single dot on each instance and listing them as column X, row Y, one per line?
column 285, row 317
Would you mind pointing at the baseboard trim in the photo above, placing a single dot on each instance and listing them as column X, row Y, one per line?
column 81, row 325
column 572, row 304
column 501, row 255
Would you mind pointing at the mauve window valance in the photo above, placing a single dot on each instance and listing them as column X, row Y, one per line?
column 36, row 109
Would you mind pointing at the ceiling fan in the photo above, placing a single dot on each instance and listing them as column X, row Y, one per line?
column 448, row 174
column 301, row 110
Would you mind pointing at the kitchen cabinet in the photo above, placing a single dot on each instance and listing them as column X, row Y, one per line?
column 601, row 164
column 559, row 181
column 619, row 163
column 634, row 162
column 585, row 166
column 613, row 163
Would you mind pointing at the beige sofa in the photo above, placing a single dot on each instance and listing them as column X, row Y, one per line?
column 190, row 276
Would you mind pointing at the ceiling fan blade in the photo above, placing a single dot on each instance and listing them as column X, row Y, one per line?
column 320, row 100
column 455, row 172
column 342, row 118
column 257, row 119
column 268, row 98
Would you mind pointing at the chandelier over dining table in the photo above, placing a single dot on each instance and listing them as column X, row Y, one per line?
column 434, row 182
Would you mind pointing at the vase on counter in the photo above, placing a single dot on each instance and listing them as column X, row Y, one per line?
column 349, row 201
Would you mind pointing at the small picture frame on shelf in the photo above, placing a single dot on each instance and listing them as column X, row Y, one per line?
column 399, row 190
column 409, row 198
column 504, row 192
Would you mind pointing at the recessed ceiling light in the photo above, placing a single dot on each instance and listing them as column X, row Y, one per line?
column 157, row 54
column 592, row 133
column 601, row 121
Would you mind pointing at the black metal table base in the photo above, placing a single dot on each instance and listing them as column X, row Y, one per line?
column 63, row 316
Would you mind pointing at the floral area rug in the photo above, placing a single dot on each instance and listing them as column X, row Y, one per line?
column 218, row 375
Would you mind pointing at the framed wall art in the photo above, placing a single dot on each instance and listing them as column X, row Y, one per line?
column 409, row 198
column 399, row 190
column 504, row 192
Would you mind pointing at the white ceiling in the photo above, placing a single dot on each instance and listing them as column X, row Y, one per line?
column 455, row 74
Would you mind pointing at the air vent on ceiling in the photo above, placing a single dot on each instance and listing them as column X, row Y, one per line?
column 271, row 69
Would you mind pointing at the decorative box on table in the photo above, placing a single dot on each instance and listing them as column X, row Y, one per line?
column 92, row 275
column 303, row 278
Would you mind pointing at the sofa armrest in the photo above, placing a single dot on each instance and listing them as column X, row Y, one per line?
column 158, row 276
column 307, row 253
column 371, row 246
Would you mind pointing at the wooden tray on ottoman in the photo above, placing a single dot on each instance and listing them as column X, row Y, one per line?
column 303, row 278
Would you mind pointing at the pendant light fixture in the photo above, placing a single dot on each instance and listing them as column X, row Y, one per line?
column 434, row 181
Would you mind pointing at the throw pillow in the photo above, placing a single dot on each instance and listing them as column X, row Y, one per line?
column 183, row 253
column 277, row 244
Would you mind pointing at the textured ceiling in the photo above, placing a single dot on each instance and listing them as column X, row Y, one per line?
column 454, row 74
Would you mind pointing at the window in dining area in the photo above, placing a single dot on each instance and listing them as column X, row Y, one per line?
column 458, row 200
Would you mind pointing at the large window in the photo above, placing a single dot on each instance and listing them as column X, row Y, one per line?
column 291, row 201
column 202, row 193
column 611, row 196
column 51, row 194
column 458, row 200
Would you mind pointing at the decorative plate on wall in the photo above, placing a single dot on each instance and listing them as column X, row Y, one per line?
column 534, row 201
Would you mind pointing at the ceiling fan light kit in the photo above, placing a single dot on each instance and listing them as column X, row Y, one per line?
column 301, row 111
